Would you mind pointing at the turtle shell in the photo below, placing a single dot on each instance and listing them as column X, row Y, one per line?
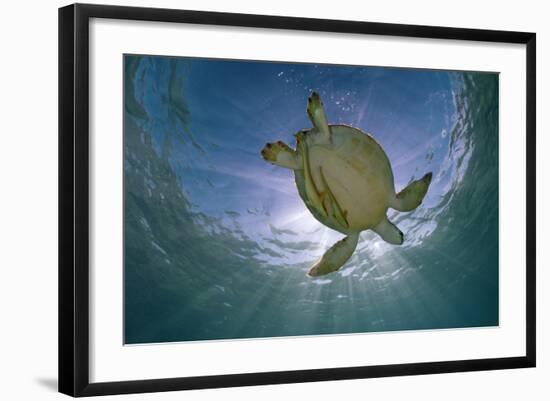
column 355, row 171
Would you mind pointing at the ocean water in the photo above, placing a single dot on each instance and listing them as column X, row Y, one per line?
column 218, row 242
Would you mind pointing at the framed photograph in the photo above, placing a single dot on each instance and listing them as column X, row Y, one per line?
column 249, row 199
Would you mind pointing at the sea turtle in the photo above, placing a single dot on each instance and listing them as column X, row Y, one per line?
column 345, row 179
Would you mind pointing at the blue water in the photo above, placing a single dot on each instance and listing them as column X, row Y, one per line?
column 217, row 241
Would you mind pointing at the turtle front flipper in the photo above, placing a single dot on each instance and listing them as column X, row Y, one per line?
column 411, row 196
column 313, row 198
column 316, row 113
column 333, row 208
column 335, row 257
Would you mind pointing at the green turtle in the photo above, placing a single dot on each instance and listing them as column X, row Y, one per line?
column 346, row 181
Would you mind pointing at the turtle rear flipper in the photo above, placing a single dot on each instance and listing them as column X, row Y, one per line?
column 280, row 154
column 316, row 113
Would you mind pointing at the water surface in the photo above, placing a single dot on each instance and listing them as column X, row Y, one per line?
column 217, row 241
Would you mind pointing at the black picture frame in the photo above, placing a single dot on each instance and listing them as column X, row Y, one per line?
column 74, row 194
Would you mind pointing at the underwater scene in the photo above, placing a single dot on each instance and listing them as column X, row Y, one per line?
column 218, row 241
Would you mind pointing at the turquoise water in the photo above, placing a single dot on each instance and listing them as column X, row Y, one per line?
column 217, row 241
